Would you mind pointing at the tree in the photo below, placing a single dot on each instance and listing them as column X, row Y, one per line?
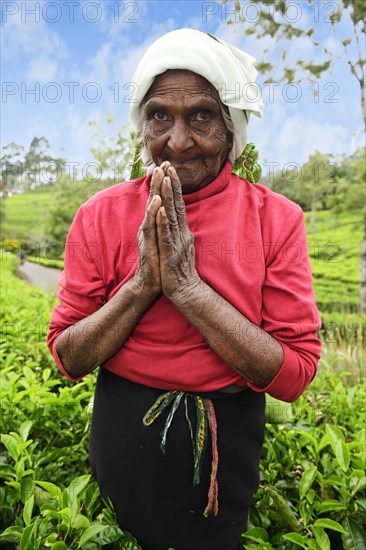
column 349, row 192
column 11, row 164
column 272, row 18
column 40, row 167
column 22, row 170
column 317, row 179
column 311, row 186
column 67, row 196
column 113, row 153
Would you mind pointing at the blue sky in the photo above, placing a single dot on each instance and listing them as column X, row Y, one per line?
column 79, row 57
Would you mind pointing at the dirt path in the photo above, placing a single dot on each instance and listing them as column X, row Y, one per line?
column 44, row 277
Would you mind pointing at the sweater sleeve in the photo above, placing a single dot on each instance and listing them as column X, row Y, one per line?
column 82, row 288
column 289, row 311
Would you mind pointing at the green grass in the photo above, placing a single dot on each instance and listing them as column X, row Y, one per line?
column 25, row 215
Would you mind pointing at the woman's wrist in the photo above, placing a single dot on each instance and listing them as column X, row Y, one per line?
column 142, row 290
column 188, row 294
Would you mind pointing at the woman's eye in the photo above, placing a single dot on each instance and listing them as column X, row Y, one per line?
column 201, row 116
column 160, row 115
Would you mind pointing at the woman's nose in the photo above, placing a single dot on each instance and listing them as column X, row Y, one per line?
column 180, row 138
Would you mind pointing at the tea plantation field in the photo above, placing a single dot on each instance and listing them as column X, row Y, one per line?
column 312, row 490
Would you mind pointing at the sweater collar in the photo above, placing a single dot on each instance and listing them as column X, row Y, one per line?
column 213, row 188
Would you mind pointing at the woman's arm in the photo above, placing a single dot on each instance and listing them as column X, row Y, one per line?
column 246, row 348
column 90, row 342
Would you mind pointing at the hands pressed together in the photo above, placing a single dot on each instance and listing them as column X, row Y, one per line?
column 165, row 242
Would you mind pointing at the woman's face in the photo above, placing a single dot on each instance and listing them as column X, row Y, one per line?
column 183, row 124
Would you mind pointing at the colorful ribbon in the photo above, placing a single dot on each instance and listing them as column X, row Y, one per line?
column 206, row 419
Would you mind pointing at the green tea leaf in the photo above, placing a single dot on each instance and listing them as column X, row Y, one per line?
column 329, row 505
column 11, row 445
column 340, row 449
column 327, row 523
column 354, row 537
column 128, row 542
column 342, row 455
column 28, row 509
column 321, row 538
column 7, row 471
column 12, row 534
column 297, row 539
column 26, row 489
column 257, row 534
column 59, row 545
column 111, row 534
column 284, row 509
column 357, row 483
column 91, row 532
column 52, row 489
column 334, row 435
column 24, row 430
column 77, row 485
column 307, row 480
column 65, row 515
column 25, row 541
column 80, row 522
column 91, row 496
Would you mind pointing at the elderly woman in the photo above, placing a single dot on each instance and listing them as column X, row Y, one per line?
column 191, row 288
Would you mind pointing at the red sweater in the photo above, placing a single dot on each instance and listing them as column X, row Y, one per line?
column 251, row 249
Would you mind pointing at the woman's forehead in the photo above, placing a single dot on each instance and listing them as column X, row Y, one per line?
column 181, row 82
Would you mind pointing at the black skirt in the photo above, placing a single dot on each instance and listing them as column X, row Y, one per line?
column 152, row 492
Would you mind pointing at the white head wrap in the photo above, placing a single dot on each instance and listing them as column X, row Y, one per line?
column 230, row 71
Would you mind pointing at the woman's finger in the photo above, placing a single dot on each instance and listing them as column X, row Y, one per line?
column 155, row 185
column 180, row 207
column 147, row 232
column 169, row 206
column 165, row 240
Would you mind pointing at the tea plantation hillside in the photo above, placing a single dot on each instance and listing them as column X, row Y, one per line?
column 334, row 255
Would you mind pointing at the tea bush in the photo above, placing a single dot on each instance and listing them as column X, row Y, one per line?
column 44, row 501
column 312, row 490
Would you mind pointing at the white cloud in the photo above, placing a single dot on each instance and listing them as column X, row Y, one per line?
column 333, row 46
column 80, row 134
column 294, row 138
column 301, row 48
column 101, row 65
column 41, row 69
column 42, row 126
column 28, row 38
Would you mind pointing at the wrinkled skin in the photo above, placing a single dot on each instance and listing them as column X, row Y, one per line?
column 183, row 125
column 188, row 141
column 166, row 244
